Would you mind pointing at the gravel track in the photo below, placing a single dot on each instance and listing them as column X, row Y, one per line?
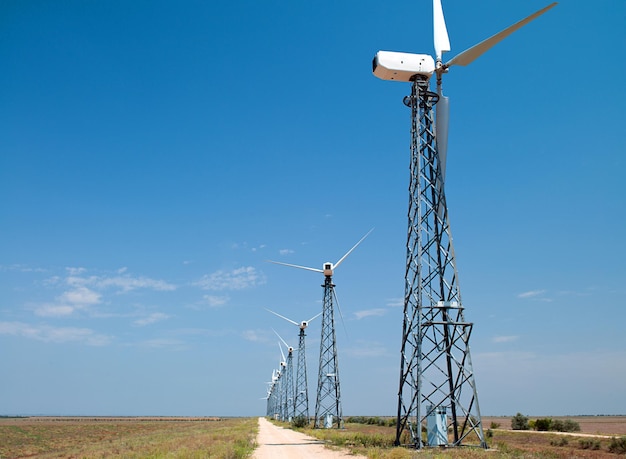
column 280, row 443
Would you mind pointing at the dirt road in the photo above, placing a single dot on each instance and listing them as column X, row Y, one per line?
column 279, row 443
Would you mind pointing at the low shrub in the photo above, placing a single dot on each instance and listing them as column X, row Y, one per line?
column 567, row 425
column 300, row 422
column 563, row 441
column 372, row 421
column 589, row 444
column 570, row 426
column 519, row 422
column 543, row 425
column 617, row 445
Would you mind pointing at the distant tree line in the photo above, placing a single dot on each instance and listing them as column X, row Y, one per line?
column 373, row 421
column 521, row 422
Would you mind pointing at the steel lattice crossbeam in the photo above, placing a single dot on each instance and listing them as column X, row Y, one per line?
column 436, row 377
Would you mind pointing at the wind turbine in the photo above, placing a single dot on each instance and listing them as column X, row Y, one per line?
column 289, row 405
column 436, row 376
column 328, row 400
column 301, row 399
column 272, row 395
column 282, row 386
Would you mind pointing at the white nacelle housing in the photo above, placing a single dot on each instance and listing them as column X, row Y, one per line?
column 394, row 66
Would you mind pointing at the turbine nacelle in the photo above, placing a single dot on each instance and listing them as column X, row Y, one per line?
column 396, row 66
column 408, row 67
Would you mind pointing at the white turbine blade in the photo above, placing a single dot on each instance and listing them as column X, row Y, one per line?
column 284, row 342
column 441, row 131
column 350, row 251
column 469, row 55
column 314, row 317
column 282, row 317
column 340, row 314
column 442, row 41
column 296, row 266
column 281, row 350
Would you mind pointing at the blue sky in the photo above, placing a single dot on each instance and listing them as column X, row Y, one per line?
column 154, row 155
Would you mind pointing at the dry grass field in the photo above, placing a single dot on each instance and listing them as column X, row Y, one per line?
column 127, row 437
column 234, row 438
column 596, row 425
column 593, row 442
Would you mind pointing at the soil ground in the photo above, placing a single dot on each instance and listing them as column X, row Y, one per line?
column 612, row 426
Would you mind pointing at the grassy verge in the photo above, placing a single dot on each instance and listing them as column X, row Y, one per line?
column 226, row 438
column 376, row 442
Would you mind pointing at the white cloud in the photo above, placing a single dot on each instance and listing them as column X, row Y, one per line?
column 370, row 312
column 128, row 283
column 80, row 297
column 75, row 271
column 395, row 302
column 54, row 280
column 215, row 301
column 50, row 334
column 531, row 294
column 285, row 251
column 150, row 319
column 237, row 279
column 85, row 291
column 504, row 339
column 69, row 302
column 255, row 336
column 54, row 310
column 160, row 343
column 122, row 281
column 21, row 268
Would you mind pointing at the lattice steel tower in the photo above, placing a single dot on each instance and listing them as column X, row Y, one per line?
column 281, row 386
column 301, row 403
column 288, row 394
column 437, row 386
column 328, row 401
